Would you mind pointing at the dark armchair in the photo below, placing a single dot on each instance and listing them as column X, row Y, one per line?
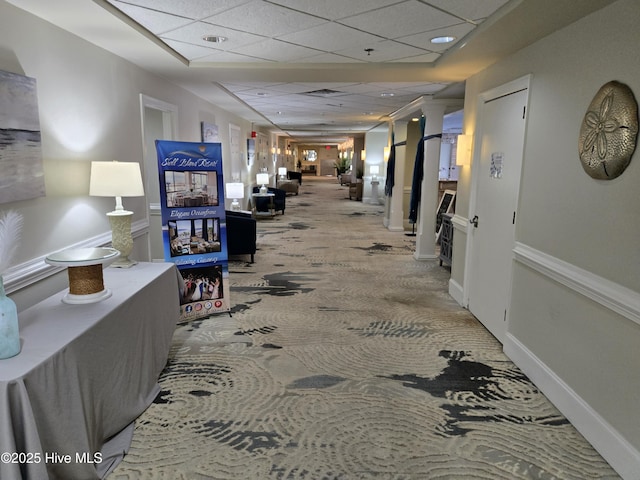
column 241, row 233
column 279, row 200
column 291, row 175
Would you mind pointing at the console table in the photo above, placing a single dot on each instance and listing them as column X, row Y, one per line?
column 85, row 373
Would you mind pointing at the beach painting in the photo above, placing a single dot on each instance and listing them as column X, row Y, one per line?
column 22, row 175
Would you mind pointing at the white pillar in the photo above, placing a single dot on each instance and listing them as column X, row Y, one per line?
column 396, row 210
column 426, row 231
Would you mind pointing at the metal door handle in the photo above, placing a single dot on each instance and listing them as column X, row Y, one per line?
column 474, row 221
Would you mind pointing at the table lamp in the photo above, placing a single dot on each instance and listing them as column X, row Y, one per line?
column 374, row 170
column 263, row 179
column 282, row 171
column 235, row 191
column 118, row 179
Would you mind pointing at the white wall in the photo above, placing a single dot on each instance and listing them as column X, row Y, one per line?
column 89, row 105
column 573, row 323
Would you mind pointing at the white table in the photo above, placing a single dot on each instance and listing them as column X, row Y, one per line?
column 84, row 374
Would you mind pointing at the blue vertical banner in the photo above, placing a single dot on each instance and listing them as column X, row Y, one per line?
column 194, row 224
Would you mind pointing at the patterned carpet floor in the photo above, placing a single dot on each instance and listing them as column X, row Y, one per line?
column 345, row 358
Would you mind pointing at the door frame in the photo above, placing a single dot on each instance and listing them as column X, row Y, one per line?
column 508, row 88
column 169, row 129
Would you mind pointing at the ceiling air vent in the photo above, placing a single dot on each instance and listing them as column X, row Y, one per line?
column 325, row 92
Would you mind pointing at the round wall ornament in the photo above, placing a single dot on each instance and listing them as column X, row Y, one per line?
column 608, row 132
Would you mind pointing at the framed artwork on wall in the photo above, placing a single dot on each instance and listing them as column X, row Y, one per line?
column 20, row 149
column 210, row 133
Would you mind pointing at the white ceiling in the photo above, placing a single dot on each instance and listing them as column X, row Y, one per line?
column 303, row 67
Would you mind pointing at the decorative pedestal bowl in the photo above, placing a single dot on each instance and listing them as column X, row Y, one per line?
column 84, row 268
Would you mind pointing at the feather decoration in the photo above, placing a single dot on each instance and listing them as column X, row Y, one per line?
column 10, row 229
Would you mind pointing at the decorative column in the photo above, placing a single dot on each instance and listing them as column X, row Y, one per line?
column 396, row 202
column 426, row 228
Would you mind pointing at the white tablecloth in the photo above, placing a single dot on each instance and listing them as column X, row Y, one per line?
column 84, row 374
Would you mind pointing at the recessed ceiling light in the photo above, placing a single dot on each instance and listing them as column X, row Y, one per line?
column 444, row 39
column 262, row 94
column 214, row 38
column 387, row 94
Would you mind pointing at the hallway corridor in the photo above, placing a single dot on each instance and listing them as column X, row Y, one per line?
column 346, row 359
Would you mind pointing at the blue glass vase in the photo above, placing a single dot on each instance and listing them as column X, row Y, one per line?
column 9, row 332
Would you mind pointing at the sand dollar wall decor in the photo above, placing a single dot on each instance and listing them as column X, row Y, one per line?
column 609, row 130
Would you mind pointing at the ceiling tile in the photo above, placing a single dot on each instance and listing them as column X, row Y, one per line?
column 154, row 21
column 469, row 9
column 334, row 9
column 384, row 51
column 276, row 50
column 330, row 37
column 392, row 22
column 194, row 9
column 194, row 32
column 424, row 39
column 265, row 19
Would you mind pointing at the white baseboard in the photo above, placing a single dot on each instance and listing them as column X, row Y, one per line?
column 424, row 256
column 27, row 273
column 621, row 455
column 457, row 292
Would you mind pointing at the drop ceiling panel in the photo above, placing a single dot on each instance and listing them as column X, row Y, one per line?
column 194, row 32
column 384, row 51
column 391, row 22
column 330, row 37
column 335, row 9
column 469, row 9
column 295, row 41
column 194, row 9
column 264, row 19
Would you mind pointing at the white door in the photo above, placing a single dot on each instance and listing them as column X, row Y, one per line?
column 497, row 168
column 158, row 123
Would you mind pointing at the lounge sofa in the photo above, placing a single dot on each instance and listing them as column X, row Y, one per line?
column 262, row 203
column 241, row 233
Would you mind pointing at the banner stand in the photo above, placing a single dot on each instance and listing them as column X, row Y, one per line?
column 194, row 224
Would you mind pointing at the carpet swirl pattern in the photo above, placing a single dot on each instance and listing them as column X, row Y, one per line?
column 345, row 359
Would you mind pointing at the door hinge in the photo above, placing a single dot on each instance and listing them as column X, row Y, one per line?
column 514, row 218
column 524, row 112
column 505, row 316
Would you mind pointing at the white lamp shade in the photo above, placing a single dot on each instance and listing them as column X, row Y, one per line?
column 282, row 171
column 374, row 169
column 235, row 190
column 115, row 179
column 262, row 178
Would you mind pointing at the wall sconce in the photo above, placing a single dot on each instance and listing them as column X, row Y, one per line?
column 235, row 191
column 263, row 179
column 363, row 155
column 118, row 179
column 463, row 152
